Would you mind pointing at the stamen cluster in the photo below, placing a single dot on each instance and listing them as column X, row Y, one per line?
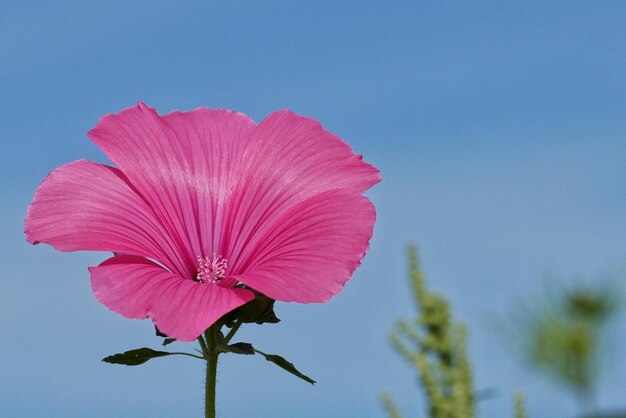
column 211, row 269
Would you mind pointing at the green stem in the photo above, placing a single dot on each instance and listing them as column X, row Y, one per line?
column 187, row 354
column 232, row 332
column 260, row 352
column 205, row 350
column 211, row 371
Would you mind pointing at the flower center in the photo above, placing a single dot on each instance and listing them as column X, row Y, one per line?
column 211, row 269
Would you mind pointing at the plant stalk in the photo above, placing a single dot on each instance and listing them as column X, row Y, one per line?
column 211, row 355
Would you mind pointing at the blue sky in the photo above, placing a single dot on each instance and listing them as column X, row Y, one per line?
column 498, row 127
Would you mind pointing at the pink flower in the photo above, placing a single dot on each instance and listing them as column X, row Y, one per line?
column 203, row 200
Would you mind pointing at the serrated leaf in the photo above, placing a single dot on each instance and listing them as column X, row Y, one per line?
column 285, row 365
column 135, row 357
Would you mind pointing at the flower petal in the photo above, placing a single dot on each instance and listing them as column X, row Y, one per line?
column 292, row 151
column 181, row 308
column 289, row 160
column 310, row 253
column 182, row 164
column 89, row 206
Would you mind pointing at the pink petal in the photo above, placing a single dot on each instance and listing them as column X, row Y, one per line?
column 311, row 251
column 181, row 308
column 289, row 159
column 289, row 151
column 183, row 165
column 88, row 206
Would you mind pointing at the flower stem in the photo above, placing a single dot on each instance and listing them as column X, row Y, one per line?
column 187, row 354
column 205, row 350
column 211, row 371
column 232, row 332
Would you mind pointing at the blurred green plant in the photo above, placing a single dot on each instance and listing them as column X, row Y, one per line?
column 564, row 339
column 520, row 409
column 436, row 347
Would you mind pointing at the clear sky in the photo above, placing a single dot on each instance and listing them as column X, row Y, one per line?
column 499, row 128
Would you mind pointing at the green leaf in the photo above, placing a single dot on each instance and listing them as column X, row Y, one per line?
column 269, row 317
column 168, row 341
column 241, row 348
column 285, row 365
column 259, row 310
column 135, row 357
column 236, row 348
column 159, row 333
